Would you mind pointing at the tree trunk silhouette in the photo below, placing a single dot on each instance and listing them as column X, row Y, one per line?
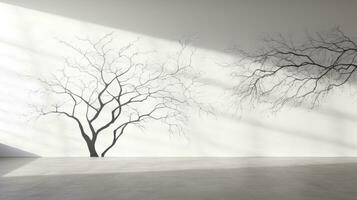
column 91, row 149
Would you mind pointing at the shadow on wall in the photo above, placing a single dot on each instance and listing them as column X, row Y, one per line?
column 152, row 19
column 218, row 24
column 8, row 151
column 9, row 158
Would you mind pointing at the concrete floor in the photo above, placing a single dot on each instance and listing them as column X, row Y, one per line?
column 178, row 178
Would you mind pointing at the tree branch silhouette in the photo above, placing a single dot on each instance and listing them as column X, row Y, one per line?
column 106, row 90
column 283, row 72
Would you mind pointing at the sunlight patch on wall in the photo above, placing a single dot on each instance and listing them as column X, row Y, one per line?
column 30, row 48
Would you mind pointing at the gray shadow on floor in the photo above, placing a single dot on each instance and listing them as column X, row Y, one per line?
column 310, row 182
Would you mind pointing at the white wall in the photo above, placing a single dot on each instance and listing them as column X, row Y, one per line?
column 29, row 47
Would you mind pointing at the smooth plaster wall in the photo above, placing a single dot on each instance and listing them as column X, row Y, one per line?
column 29, row 30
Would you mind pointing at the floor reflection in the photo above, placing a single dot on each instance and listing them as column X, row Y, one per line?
column 314, row 178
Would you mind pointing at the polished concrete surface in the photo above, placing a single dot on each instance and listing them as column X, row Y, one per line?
column 178, row 178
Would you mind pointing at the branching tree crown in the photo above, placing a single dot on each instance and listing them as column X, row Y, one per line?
column 283, row 72
column 105, row 90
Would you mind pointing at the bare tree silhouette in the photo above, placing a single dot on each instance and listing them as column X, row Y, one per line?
column 283, row 72
column 120, row 88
